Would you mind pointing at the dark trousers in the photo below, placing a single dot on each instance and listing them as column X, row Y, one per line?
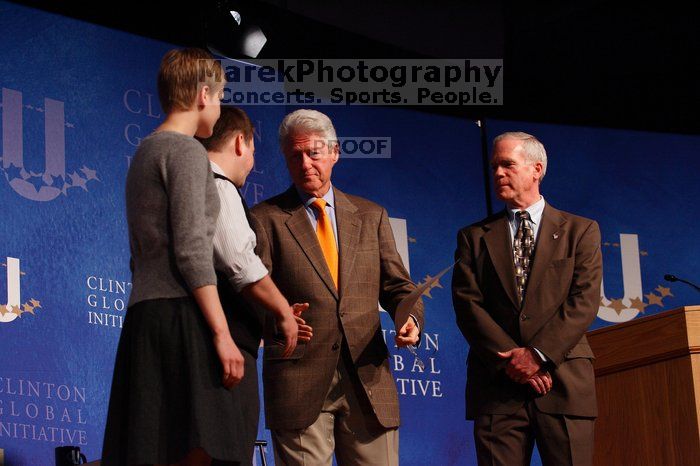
column 508, row 440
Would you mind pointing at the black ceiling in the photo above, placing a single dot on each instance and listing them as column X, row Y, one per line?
column 591, row 63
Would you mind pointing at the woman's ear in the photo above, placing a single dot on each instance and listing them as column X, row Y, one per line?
column 203, row 96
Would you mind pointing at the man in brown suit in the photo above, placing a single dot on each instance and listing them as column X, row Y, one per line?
column 335, row 251
column 525, row 290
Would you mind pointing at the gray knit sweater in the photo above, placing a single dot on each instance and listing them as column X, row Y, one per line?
column 171, row 209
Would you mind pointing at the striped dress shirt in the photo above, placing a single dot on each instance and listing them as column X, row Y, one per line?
column 234, row 240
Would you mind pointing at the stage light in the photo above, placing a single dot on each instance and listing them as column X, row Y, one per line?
column 231, row 33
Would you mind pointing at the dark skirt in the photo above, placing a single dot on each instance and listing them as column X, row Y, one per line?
column 167, row 395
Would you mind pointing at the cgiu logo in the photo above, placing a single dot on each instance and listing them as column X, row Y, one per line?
column 53, row 181
column 14, row 307
column 633, row 301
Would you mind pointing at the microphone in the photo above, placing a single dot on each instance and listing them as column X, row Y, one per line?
column 672, row 278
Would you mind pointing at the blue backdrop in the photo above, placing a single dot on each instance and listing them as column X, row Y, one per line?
column 77, row 98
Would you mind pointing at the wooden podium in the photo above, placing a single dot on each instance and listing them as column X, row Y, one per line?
column 648, row 386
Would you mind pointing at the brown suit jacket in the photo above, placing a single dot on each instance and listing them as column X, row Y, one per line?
column 370, row 271
column 561, row 301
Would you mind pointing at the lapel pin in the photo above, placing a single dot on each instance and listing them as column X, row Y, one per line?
column 555, row 235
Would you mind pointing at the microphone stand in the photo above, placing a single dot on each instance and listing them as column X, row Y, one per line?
column 673, row 278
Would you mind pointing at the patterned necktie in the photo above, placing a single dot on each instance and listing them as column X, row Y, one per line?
column 326, row 238
column 523, row 247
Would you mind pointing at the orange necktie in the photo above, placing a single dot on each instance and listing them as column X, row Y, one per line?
column 326, row 238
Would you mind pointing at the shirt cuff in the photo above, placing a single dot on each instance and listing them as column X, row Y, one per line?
column 415, row 320
column 251, row 273
column 543, row 358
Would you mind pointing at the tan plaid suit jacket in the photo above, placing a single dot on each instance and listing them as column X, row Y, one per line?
column 370, row 271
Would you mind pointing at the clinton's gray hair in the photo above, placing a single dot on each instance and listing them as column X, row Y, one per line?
column 308, row 121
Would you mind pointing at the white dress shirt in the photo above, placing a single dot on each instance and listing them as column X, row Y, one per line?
column 234, row 240
column 535, row 211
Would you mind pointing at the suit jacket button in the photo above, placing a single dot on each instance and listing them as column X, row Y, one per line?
column 335, row 346
column 523, row 317
column 369, row 392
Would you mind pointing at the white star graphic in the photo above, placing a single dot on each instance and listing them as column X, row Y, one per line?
column 78, row 181
column 89, row 173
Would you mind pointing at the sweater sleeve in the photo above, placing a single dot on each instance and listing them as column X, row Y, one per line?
column 186, row 173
